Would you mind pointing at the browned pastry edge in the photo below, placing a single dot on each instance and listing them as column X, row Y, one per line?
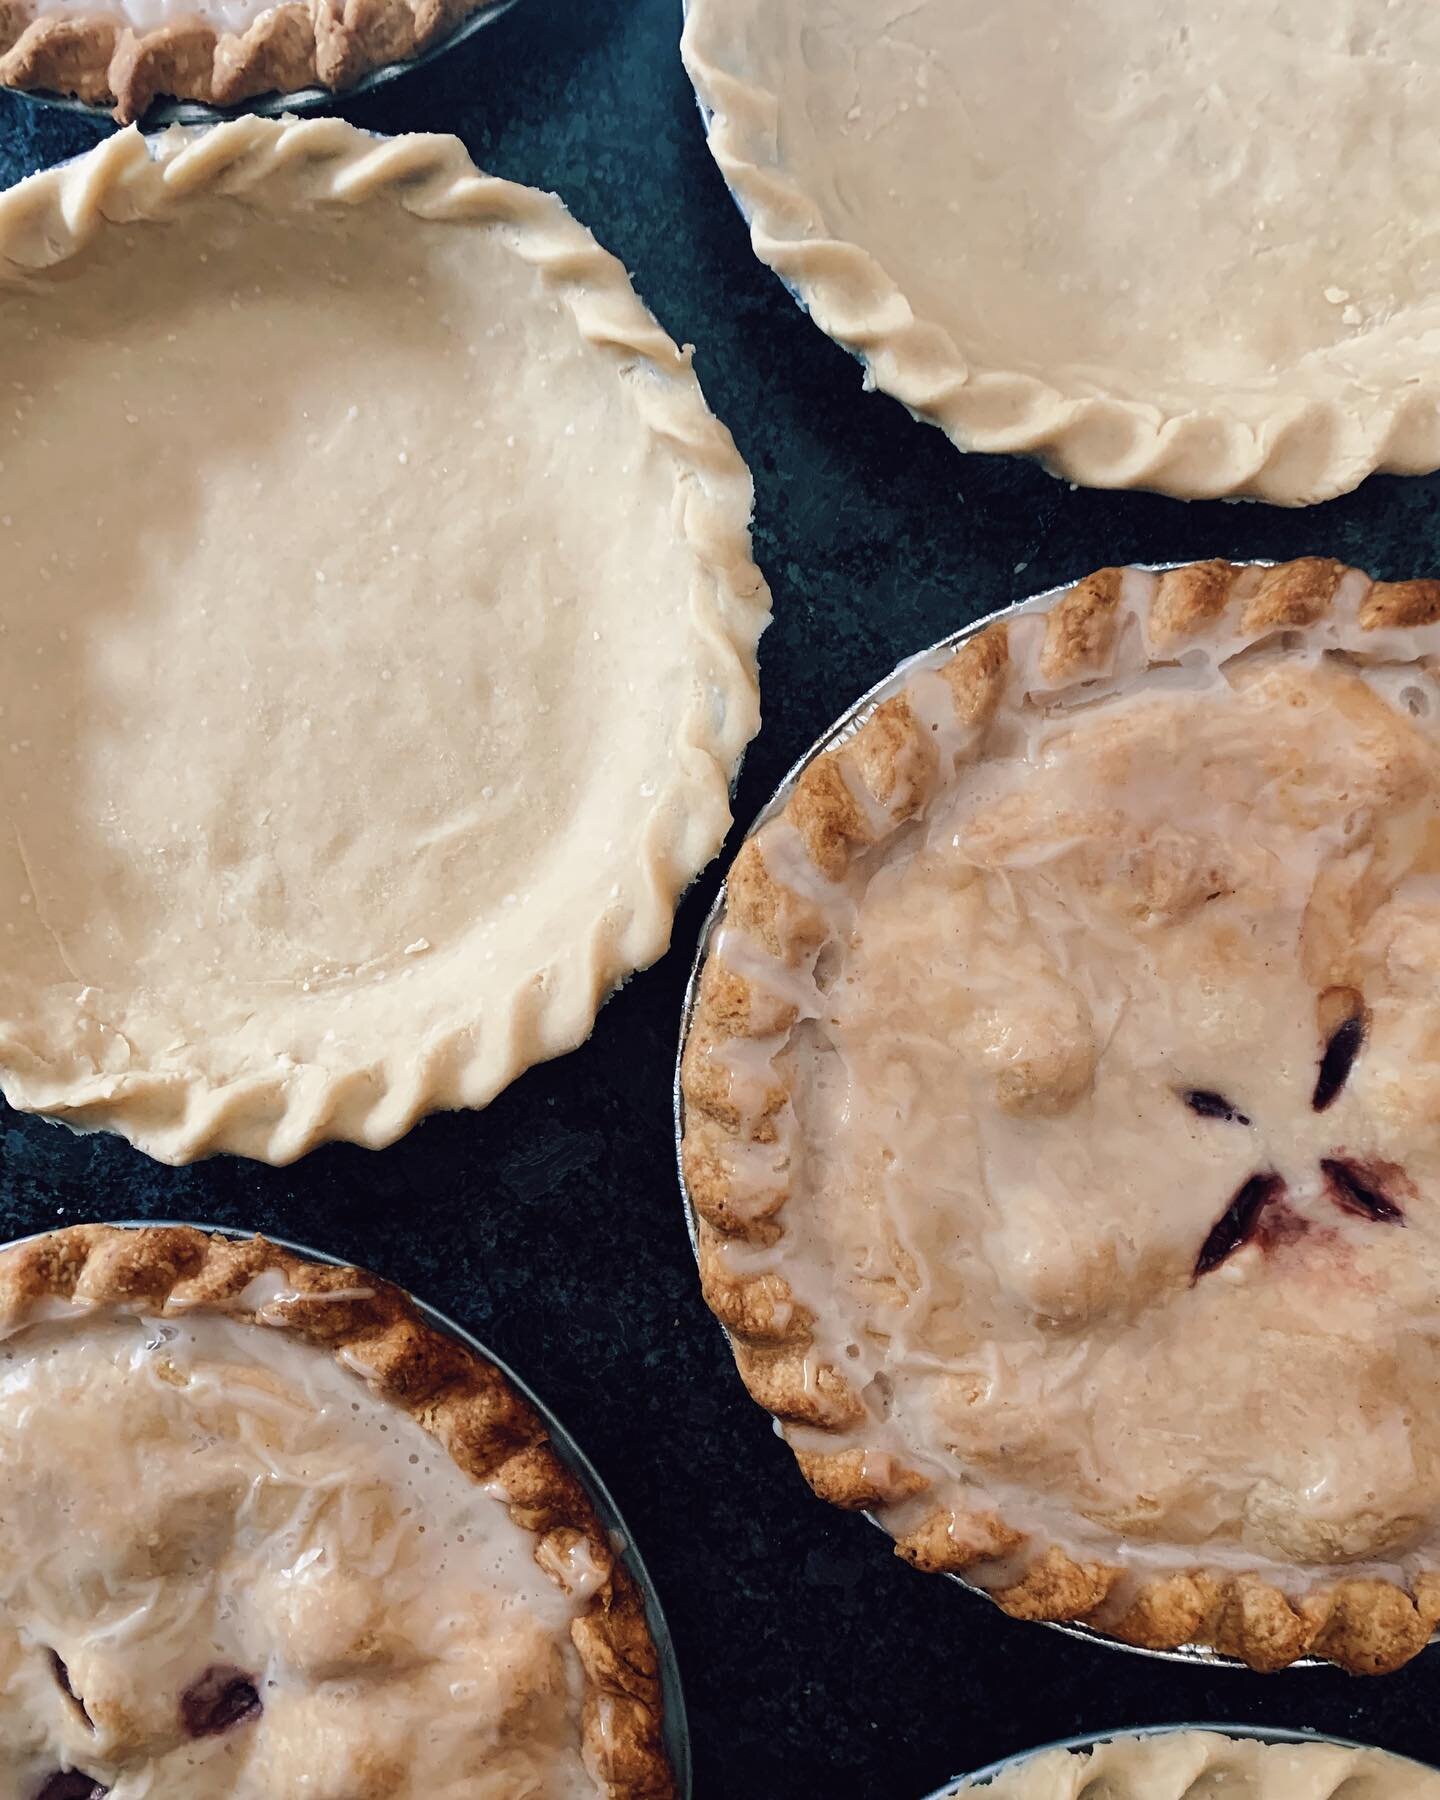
column 97, row 58
column 845, row 802
column 465, row 1403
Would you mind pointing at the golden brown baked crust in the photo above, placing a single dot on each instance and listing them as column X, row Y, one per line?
column 466, row 1404
column 98, row 58
column 735, row 1161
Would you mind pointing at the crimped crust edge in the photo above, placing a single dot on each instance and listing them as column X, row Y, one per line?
column 1305, row 453
column 326, row 163
column 96, row 57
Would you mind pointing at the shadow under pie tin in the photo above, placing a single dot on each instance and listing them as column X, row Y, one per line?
column 1261, row 1734
column 165, row 112
column 674, row 1727
column 846, row 727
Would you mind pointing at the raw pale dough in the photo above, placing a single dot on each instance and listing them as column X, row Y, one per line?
column 1186, row 1765
column 1185, row 247
column 378, row 634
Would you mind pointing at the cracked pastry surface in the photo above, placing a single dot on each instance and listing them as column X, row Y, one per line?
column 1186, row 1765
column 128, row 53
column 379, row 636
column 1059, row 1108
column 263, row 1532
column 1156, row 245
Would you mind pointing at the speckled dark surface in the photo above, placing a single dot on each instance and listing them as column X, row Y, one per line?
column 815, row 1663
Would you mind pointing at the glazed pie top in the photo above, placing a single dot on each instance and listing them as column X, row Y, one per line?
column 1159, row 245
column 127, row 53
column 265, row 1535
column 379, row 635
column 1060, row 1105
column 1185, row 1765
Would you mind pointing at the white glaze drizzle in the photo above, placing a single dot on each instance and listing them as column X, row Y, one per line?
column 983, row 1412
column 184, row 1493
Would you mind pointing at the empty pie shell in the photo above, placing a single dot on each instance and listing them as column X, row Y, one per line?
column 1154, row 245
column 1058, row 1111
column 379, row 633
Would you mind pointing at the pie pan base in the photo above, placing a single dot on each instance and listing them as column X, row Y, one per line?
column 844, row 729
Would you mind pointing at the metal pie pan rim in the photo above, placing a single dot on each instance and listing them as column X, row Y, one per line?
column 1086, row 1740
column 845, row 727
column 675, row 1727
column 168, row 112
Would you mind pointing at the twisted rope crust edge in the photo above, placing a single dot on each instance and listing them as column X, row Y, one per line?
column 325, row 164
column 1306, row 452
column 96, row 57
column 735, row 1156
column 463, row 1402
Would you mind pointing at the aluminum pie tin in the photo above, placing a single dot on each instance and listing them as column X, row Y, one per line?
column 675, row 1731
column 270, row 106
column 1262, row 1734
column 845, row 728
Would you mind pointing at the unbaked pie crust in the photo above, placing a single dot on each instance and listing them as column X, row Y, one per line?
column 1059, row 1110
column 1206, row 1765
column 1156, row 245
column 221, row 53
column 247, row 1451
column 378, row 628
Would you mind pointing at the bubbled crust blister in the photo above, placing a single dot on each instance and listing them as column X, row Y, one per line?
column 466, row 1404
column 98, row 58
column 735, row 1156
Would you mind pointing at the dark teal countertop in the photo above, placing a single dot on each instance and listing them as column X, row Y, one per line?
column 815, row 1663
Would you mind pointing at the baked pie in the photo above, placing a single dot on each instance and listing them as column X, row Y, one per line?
column 1154, row 244
column 1183, row 1765
column 379, row 628
column 127, row 53
column 1060, row 1109
column 265, row 1534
